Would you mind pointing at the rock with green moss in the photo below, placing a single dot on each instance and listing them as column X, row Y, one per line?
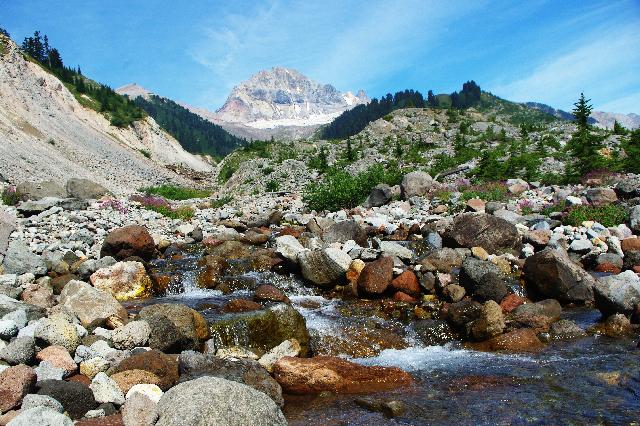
column 261, row 330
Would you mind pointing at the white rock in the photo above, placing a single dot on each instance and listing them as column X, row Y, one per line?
column 105, row 389
column 289, row 347
column 153, row 392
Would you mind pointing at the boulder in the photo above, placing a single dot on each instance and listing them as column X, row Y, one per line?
column 92, row 306
column 441, row 260
column 9, row 305
column 16, row 383
column 549, row 308
column 270, row 293
column 332, row 374
column 519, row 340
column 33, row 400
column 139, row 410
column 634, row 218
column 346, row 230
column 124, row 280
column 151, row 391
column 192, row 328
column 289, row 247
column 40, row 416
column 489, row 232
column 216, row 401
column 84, row 189
column 129, row 378
column 40, row 190
column 490, row 323
column 59, row 357
column 324, row 267
column 416, row 184
column 616, row 294
column 249, row 372
column 379, row 196
column 129, row 241
column 20, row 260
column 163, row 366
column 21, row 350
column 566, row 329
column 289, row 347
column 376, row 277
column 7, row 226
column 599, row 196
column 406, row 282
column 551, row 274
column 432, row 332
column 131, row 335
column 261, row 330
column 75, row 397
column 391, row 248
column 483, row 280
column 56, row 330
column 464, row 312
column 106, row 390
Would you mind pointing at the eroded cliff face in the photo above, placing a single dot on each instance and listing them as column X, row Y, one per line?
column 46, row 134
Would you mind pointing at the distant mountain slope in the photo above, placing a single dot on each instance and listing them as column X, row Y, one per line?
column 598, row 118
column 195, row 133
column 47, row 134
column 281, row 102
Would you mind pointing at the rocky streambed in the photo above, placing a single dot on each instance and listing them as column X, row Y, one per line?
column 402, row 313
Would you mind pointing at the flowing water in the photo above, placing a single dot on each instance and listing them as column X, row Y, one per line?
column 593, row 380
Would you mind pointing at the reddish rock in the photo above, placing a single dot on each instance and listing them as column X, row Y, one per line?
column 241, row 305
column 127, row 379
column 79, row 378
column 538, row 237
column 165, row 367
column 326, row 373
column 59, row 357
column 160, row 282
column 269, row 293
column 475, row 205
column 376, row 276
column 510, row 302
column 520, row 340
column 607, row 267
column 406, row 282
column 132, row 240
column 404, row 297
column 15, row 383
column 290, row 231
column 630, row 244
column 400, row 234
column 636, row 269
column 537, row 322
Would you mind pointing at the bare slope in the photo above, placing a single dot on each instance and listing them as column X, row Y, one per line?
column 45, row 134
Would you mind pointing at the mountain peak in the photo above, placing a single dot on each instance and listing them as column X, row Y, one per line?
column 133, row 90
column 283, row 96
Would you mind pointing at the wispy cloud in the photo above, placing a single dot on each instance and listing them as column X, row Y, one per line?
column 602, row 62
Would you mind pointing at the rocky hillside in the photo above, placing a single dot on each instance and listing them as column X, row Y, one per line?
column 47, row 134
column 282, row 101
column 598, row 118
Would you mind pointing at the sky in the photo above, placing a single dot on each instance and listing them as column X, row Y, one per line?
column 196, row 51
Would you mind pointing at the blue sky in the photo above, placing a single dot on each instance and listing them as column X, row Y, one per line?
column 545, row 51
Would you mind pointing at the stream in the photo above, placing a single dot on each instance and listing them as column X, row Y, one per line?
column 592, row 380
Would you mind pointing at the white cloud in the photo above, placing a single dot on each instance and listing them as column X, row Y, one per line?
column 607, row 63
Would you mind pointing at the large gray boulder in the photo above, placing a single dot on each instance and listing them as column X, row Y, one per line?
column 483, row 280
column 85, row 189
column 324, row 267
column 40, row 190
column 7, row 226
column 615, row 294
column 415, row 184
column 483, row 230
column 550, row 274
column 379, row 196
column 634, row 218
column 20, row 260
column 90, row 305
column 7, row 304
column 216, row 401
column 346, row 230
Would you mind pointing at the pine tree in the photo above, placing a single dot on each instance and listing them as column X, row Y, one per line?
column 632, row 149
column 431, row 99
column 618, row 129
column 4, row 32
column 582, row 111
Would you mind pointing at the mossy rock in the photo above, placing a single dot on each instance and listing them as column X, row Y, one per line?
column 261, row 330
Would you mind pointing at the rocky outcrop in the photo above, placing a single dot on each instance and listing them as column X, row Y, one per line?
column 482, row 230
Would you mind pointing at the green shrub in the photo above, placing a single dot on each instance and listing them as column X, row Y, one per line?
column 171, row 192
column 606, row 215
column 343, row 190
column 267, row 170
column 183, row 213
column 272, row 186
column 220, row 202
column 496, row 191
column 11, row 196
column 145, row 153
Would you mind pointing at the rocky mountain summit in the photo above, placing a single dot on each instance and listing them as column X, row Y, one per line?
column 48, row 134
column 282, row 101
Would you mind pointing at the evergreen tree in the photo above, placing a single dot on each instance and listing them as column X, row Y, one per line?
column 618, row 129
column 582, row 111
column 55, row 60
column 4, row 32
column 431, row 99
column 349, row 155
column 632, row 150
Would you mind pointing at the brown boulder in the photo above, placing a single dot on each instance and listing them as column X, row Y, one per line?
column 376, row 276
column 129, row 378
column 520, row 340
column 404, row 297
column 15, row 384
column 129, row 241
column 630, row 244
column 325, row 373
column 510, row 302
column 269, row 293
column 492, row 233
column 192, row 326
column 165, row 367
column 407, row 282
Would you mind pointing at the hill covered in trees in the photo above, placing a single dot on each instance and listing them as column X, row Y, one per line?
column 100, row 97
column 194, row 133
column 352, row 122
